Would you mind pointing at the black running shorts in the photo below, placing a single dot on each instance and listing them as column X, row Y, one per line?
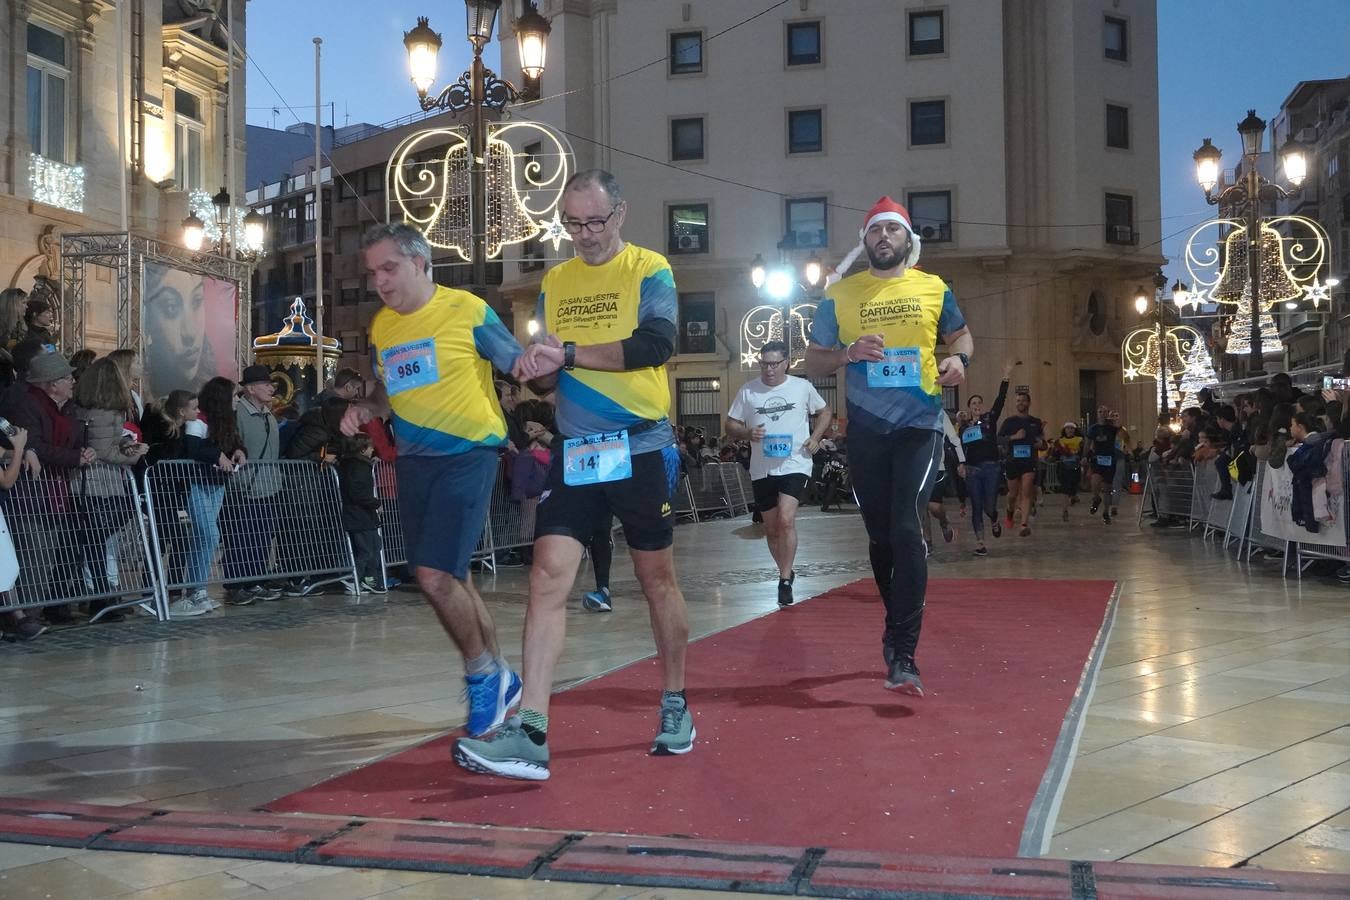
column 640, row 502
column 769, row 487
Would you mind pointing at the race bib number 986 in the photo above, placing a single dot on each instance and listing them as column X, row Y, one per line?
column 409, row 366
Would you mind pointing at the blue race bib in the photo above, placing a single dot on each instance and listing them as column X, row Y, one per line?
column 597, row 458
column 1106, row 462
column 778, row 446
column 972, row 434
column 1021, row 451
column 899, row 368
column 409, row 366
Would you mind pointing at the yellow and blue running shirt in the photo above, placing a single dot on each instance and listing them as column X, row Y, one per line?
column 597, row 305
column 436, row 365
column 911, row 311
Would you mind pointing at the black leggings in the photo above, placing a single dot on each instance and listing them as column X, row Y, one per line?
column 892, row 477
column 602, row 552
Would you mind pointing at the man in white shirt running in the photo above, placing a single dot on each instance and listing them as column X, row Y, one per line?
column 773, row 413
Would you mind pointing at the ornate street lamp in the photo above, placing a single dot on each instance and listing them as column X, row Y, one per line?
column 777, row 317
column 1245, row 198
column 225, row 237
column 477, row 89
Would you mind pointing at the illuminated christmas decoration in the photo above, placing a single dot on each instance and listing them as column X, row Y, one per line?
column 1293, row 251
column 1316, row 292
column 200, row 205
column 430, row 185
column 1199, row 372
column 765, row 323
column 1141, row 351
column 56, row 184
column 1240, row 336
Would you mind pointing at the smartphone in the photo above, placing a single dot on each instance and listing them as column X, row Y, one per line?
column 7, row 429
column 1335, row 383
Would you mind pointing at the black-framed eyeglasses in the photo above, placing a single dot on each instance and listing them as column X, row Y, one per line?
column 771, row 363
column 594, row 226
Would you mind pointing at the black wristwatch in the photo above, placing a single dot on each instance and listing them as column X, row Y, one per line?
column 569, row 355
column 965, row 360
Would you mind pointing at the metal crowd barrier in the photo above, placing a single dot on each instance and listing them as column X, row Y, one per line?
column 269, row 519
column 1208, row 513
column 683, row 501
column 79, row 537
column 1169, row 489
column 709, row 492
column 737, row 488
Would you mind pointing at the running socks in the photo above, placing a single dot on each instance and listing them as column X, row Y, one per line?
column 535, row 725
column 481, row 664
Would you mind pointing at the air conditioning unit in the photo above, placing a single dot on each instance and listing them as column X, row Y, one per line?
column 689, row 242
column 1120, row 234
column 696, row 329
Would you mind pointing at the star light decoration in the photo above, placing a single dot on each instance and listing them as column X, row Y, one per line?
column 554, row 231
column 1316, row 292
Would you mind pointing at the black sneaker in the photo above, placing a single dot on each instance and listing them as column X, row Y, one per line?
column 299, row 587
column 1106, row 518
column 239, row 597
column 981, row 551
column 784, row 592
column 902, row 676
column 1096, row 505
column 996, row 528
column 888, row 648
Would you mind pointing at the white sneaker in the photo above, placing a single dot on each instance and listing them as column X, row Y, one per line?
column 184, row 607
column 202, row 600
column 349, row 587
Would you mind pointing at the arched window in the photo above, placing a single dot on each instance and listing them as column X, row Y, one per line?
column 1096, row 312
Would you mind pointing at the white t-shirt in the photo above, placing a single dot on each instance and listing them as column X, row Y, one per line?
column 783, row 411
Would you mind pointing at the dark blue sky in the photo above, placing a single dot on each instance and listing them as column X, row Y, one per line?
column 1216, row 59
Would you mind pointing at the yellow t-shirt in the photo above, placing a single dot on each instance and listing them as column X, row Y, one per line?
column 912, row 311
column 589, row 304
column 436, row 365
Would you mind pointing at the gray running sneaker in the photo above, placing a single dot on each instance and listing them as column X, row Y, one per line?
column 677, row 730
column 507, row 752
column 902, row 676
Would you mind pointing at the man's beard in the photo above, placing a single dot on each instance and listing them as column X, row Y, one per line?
column 884, row 260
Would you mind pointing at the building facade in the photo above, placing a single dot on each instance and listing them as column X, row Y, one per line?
column 61, row 161
column 1021, row 134
column 1317, row 115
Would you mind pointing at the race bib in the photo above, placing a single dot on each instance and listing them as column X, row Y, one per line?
column 972, row 434
column 1021, row 451
column 597, row 458
column 900, row 368
column 1106, row 462
column 409, row 366
column 778, row 446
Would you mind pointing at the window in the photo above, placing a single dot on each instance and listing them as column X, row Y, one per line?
column 806, row 131
column 309, row 276
column 48, row 112
column 686, row 52
column 351, row 292
column 374, row 180
column 686, row 138
column 1116, row 38
column 803, row 43
column 927, row 122
column 698, row 317
column 1120, row 219
column 187, row 143
column 687, row 228
column 698, row 404
column 1117, row 126
column 806, row 222
column 926, row 35
column 931, row 213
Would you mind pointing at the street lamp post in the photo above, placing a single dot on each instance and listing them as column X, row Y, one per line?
column 1141, row 305
column 194, row 230
column 477, row 89
column 782, row 281
column 1246, row 195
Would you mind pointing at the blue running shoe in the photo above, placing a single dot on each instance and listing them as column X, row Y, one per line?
column 597, row 601
column 490, row 696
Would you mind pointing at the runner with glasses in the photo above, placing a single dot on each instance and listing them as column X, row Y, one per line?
column 608, row 319
column 773, row 412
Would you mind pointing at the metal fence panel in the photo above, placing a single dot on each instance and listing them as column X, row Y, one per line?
column 1173, row 488
column 709, row 492
column 79, row 536
column 1240, row 516
column 736, row 488
column 683, row 501
column 270, row 518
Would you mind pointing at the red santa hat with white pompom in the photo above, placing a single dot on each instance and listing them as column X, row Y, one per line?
column 884, row 210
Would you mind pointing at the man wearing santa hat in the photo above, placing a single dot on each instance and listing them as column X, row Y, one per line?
column 883, row 326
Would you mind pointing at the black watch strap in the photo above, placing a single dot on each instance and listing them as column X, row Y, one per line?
column 569, row 355
column 965, row 360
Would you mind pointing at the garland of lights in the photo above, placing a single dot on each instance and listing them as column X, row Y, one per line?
column 1199, row 372
column 56, row 184
column 199, row 203
column 1141, row 352
column 430, row 181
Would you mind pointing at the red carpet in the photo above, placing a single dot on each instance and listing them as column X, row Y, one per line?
column 798, row 743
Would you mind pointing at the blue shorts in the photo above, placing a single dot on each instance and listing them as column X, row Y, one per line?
column 443, row 502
